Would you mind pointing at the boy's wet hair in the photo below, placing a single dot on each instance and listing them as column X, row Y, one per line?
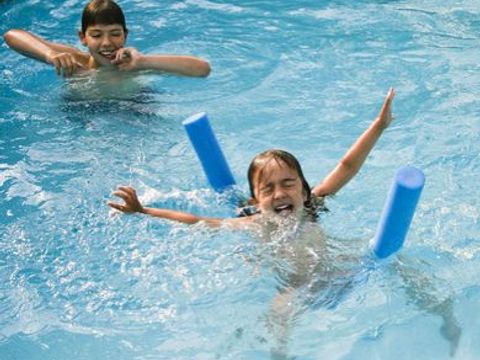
column 103, row 12
column 258, row 164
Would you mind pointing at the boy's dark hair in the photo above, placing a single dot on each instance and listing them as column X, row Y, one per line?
column 104, row 12
column 260, row 160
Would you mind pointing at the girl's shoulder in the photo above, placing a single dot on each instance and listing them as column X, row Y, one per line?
column 318, row 200
column 318, row 203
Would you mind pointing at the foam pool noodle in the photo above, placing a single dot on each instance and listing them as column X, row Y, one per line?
column 398, row 211
column 209, row 152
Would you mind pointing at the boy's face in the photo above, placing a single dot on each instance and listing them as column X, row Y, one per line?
column 103, row 41
column 278, row 189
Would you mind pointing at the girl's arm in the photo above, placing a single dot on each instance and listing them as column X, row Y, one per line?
column 133, row 205
column 129, row 59
column 356, row 155
column 64, row 58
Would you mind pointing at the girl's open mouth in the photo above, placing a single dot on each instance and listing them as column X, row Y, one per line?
column 283, row 209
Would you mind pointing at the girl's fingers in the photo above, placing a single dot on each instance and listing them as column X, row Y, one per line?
column 127, row 194
column 388, row 101
column 116, row 206
column 391, row 93
column 128, row 189
column 390, row 96
column 123, row 195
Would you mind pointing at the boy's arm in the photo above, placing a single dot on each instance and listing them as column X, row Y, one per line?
column 133, row 205
column 61, row 56
column 129, row 59
column 33, row 46
column 356, row 155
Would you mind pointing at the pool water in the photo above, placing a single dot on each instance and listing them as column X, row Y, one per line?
column 77, row 281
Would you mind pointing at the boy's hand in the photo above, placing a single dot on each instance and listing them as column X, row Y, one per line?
column 127, row 59
column 385, row 116
column 129, row 195
column 65, row 63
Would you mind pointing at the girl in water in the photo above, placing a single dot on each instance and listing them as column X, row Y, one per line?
column 283, row 201
column 278, row 187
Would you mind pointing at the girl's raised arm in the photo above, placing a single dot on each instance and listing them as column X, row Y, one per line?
column 358, row 152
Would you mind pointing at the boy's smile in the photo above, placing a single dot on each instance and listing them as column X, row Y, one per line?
column 103, row 41
column 278, row 189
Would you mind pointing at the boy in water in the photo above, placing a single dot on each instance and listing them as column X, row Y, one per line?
column 104, row 33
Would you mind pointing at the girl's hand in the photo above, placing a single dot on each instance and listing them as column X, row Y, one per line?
column 65, row 63
column 129, row 195
column 127, row 59
column 385, row 116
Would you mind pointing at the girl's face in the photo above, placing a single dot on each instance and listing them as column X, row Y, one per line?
column 103, row 41
column 278, row 189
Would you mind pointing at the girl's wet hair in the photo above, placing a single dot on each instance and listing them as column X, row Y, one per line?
column 104, row 12
column 258, row 164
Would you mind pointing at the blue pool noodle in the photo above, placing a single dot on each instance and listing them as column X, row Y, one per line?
column 398, row 211
column 209, row 152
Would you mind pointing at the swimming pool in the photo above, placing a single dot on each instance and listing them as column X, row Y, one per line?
column 77, row 282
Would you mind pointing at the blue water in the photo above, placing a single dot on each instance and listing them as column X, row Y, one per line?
column 307, row 76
